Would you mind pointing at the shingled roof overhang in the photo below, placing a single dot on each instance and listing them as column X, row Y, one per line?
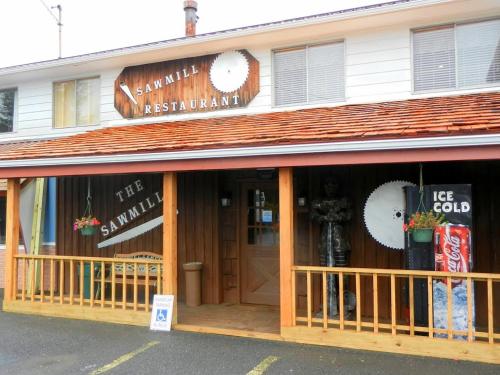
column 465, row 127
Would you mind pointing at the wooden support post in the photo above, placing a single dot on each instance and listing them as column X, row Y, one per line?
column 11, row 237
column 170, row 238
column 286, row 245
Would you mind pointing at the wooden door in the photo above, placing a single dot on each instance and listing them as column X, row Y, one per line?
column 260, row 243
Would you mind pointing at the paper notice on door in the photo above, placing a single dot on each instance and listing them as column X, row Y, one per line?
column 267, row 216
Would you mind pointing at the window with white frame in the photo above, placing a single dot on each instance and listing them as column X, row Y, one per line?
column 309, row 74
column 7, row 110
column 456, row 56
column 76, row 103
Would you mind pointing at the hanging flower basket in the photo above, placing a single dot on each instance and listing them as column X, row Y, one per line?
column 88, row 230
column 87, row 225
column 421, row 225
column 423, row 235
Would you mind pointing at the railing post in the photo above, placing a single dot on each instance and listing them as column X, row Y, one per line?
column 170, row 238
column 286, row 245
column 11, row 237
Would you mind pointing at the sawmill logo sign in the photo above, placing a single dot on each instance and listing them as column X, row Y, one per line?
column 131, row 214
column 199, row 84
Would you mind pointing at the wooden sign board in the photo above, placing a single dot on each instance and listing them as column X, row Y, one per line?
column 199, row 84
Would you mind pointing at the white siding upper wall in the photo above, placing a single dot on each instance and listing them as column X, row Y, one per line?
column 378, row 65
column 378, row 68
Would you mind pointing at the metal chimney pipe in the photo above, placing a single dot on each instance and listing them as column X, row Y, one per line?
column 190, row 8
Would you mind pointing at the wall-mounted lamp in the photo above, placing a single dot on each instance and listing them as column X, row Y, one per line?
column 226, row 197
column 302, row 201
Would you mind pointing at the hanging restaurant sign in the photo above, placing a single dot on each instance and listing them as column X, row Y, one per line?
column 199, row 84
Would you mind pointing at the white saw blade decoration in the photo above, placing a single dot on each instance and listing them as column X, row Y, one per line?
column 229, row 71
column 384, row 214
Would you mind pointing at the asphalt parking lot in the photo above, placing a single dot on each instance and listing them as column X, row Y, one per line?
column 38, row 345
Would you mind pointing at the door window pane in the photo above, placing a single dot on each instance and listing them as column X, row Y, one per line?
column 251, row 236
column 262, row 217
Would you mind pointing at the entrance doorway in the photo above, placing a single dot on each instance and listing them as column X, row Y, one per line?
column 260, row 243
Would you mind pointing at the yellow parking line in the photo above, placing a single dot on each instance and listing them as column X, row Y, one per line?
column 262, row 367
column 124, row 358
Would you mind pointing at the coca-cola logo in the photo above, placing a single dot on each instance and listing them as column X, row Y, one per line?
column 456, row 260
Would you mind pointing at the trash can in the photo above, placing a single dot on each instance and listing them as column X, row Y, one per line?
column 86, row 278
column 193, row 283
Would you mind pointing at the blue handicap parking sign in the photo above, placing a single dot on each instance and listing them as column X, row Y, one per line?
column 161, row 315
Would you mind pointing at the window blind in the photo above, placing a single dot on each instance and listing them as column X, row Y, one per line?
column 290, row 81
column 434, row 58
column 309, row 74
column 326, row 72
column 478, row 53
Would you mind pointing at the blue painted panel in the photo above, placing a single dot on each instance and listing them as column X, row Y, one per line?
column 50, row 212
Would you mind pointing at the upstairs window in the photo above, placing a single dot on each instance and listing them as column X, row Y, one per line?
column 457, row 56
column 76, row 103
column 309, row 74
column 7, row 110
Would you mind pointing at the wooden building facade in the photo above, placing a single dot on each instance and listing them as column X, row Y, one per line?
column 213, row 149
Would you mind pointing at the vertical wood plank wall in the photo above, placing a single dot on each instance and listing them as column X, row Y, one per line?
column 197, row 221
column 208, row 232
column 357, row 182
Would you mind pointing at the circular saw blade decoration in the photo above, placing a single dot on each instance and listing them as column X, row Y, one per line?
column 229, row 71
column 384, row 214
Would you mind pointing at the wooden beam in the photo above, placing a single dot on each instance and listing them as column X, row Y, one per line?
column 11, row 237
column 170, row 238
column 273, row 161
column 286, row 245
column 401, row 344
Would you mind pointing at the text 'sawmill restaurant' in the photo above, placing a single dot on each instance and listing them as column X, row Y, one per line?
column 333, row 179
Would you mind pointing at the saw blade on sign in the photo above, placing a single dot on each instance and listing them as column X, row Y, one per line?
column 384, row 214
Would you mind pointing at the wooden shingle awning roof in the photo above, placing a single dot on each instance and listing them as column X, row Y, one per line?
column 450, row 116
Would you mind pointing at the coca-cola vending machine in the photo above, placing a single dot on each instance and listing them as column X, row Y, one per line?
column 452, row 253
column 455, row 202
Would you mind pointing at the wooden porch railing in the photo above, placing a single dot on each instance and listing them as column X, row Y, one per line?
column 114, row 283
column 401, row 284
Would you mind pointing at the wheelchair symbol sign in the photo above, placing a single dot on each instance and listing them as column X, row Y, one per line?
column 161, row 315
